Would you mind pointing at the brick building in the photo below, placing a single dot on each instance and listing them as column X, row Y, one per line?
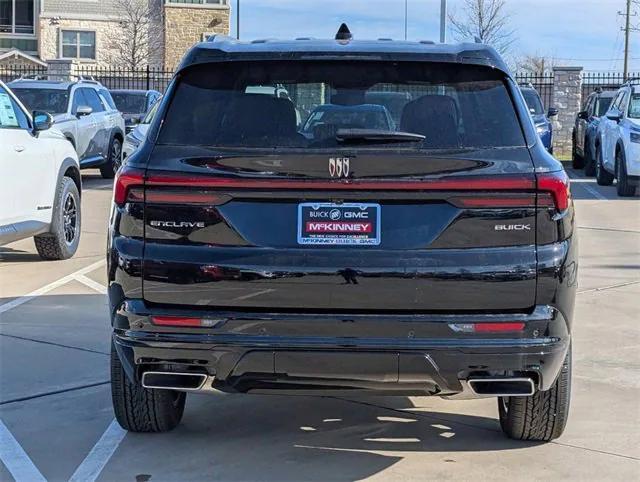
column 33, row 31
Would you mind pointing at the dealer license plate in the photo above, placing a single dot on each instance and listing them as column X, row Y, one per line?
column 339, row 224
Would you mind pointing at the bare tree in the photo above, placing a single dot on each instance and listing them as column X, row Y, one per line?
column 488, row 20
column 535, row 64
column 139, row 37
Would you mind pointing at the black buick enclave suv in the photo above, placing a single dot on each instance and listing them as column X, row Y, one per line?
column 432, row 257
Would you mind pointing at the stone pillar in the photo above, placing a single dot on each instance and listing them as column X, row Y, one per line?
column 567, row 98
column 188, row 23
column 62, row 69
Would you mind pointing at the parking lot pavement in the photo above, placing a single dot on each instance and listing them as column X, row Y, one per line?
column 56, row 421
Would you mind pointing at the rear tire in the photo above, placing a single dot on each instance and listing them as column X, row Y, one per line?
column 63, row 239
column 140, row 409
column 603, row 177
column 542, row 416
column 623, row 187
column 577, row 162
column 114, row 161
column 589, row 164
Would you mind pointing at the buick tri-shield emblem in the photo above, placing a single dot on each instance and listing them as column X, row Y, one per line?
column 339, row 166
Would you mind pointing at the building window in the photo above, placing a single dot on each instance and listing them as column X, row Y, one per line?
column 17, row 16
column 78, row 44
column 24, row 44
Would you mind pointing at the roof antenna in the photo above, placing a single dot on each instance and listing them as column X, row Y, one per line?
column 344, row 33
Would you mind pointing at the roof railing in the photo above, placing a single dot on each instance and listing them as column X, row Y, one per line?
column 88, row 79
column 218, row 37
column 33, row 77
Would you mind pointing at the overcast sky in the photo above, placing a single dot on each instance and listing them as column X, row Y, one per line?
column 574, row 32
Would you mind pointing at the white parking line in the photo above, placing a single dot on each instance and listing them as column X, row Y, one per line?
column 15, row 459
column 595, row 192
column 95, row 461
column 51, row 286
column 603, row 288
column 579, row 178
column 90, row 283
column 253, row 295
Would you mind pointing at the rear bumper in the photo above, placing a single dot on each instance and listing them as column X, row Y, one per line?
column 382, row 353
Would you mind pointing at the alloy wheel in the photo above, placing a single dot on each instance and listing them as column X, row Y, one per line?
column 116, row 155
column 70, row 218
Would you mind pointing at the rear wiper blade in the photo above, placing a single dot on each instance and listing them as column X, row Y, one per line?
column 374, row 135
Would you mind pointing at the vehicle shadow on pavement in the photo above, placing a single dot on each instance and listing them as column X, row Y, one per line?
column 264, row 437
column 17, row 255
column 11, row 255
column 96, row 182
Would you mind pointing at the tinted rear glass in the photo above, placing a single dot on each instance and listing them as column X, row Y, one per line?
column 452, row 106
column 129, row 103
column 634, row 106
column 107, row 97
column 532, row 99
column 602, row 105
column 53, row 101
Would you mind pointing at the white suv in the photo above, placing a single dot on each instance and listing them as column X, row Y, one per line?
column 618, row 141
column 40, row 181
column 85, row 113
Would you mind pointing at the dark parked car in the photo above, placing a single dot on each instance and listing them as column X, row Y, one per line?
column 393, row 101
column 435, row 259
column 332, row 116
column 585, row 129
column 134, row 104
column 542, row 121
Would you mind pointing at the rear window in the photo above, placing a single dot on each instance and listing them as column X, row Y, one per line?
column 53, row 101
column 152, row 112
column 446, row 106
column 533, row 101
column 130, row 103
column 602, row 105
column 634, row 107
column 107, row 98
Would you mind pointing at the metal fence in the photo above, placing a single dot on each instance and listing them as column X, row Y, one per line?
column 542, row 82
column 143, row 79
column 13, row 72
column 158, row 79
column 592, row 81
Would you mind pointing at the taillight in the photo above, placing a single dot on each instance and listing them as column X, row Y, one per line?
column 555, row 184
column 493, row 327
column 469, row 183
column 130, row 184
column 492, row 202
column 184, row 321
column 171, row 188
column 185, row 196
column 128, row 181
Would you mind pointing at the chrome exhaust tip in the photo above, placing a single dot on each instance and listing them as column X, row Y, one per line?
column 188, row 382
column 502, row 387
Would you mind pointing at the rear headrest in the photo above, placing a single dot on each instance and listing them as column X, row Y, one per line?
column 434, row 116
column 255, row 116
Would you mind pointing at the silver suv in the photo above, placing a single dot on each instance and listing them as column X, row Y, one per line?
column 85, row 113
